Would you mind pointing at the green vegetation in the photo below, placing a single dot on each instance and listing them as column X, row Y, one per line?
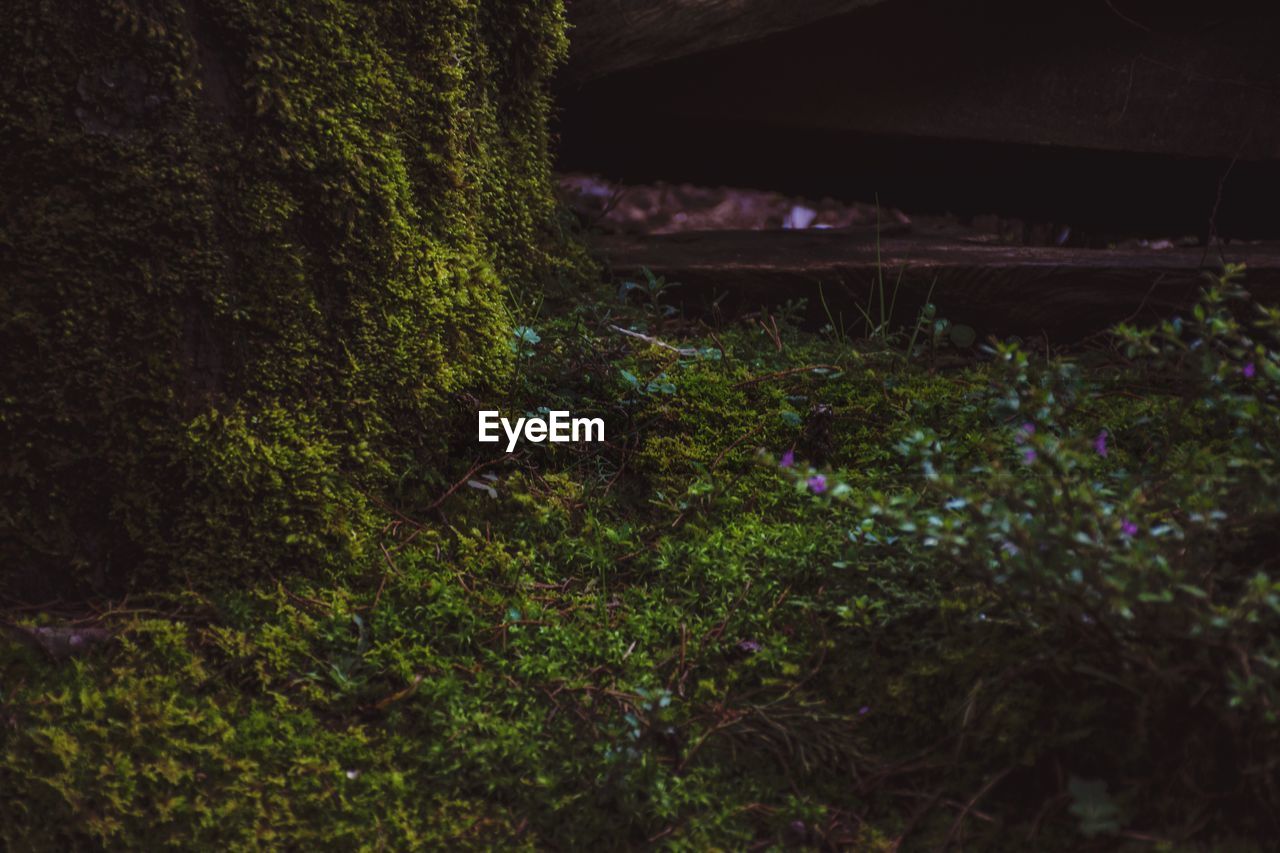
column 261, row 588
column 251, row 251
column 810, row 593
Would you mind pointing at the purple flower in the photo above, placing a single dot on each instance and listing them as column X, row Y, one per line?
column 1248, row 370
column 1128, row 529
column 864, row 710
column 1100, row 443
column 1028, row 456
column 748, row 647
column 788, row 459
column 1025, row 430
column 817, row 484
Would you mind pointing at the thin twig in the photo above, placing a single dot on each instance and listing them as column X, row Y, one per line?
column 684, row 351
column 391, row 567
column 1217, row 203
column 781, row 373
column 955, row 827
column 746, row 435
column 465, row 477
column 724, row 356
column 1122, row 16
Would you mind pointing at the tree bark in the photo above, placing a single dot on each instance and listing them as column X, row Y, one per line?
column 611, row 35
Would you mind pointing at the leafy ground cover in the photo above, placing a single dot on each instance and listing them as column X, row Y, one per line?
column 897, row 592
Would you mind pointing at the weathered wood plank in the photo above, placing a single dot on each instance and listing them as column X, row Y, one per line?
column 1065, row 293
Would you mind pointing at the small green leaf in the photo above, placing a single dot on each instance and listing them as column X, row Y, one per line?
column 962, row 336
column 1093, row 806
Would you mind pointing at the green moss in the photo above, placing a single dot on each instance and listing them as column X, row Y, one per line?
column 249, row 250
column 161, row 756
column 656, row 642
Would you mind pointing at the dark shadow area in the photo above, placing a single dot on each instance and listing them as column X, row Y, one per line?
column 1146, row 120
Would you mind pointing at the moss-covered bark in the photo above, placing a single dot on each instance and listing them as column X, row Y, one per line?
column 248, row 248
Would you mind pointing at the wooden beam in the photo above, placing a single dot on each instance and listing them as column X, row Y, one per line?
column 611, row 35
column 1023, row 290
column 1199, row 83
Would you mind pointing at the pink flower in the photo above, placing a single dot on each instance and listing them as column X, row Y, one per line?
column 817, row 484
column 1100, row 443
column 788, row 459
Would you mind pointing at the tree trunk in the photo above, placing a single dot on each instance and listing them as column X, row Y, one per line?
column 248, row 252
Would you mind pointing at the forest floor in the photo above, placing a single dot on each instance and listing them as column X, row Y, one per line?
column 862, row 589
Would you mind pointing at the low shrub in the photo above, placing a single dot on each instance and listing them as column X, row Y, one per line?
column 1134, row 546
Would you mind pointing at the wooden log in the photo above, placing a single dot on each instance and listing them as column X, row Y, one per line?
column 610, row 35
column 1066, row 294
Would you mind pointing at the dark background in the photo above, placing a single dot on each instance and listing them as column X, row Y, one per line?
column 1133, row 118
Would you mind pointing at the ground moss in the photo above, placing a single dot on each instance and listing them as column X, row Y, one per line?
column 663, row 641
column 249, row 250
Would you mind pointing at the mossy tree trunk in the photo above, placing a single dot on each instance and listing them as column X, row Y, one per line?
column 249, row 249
